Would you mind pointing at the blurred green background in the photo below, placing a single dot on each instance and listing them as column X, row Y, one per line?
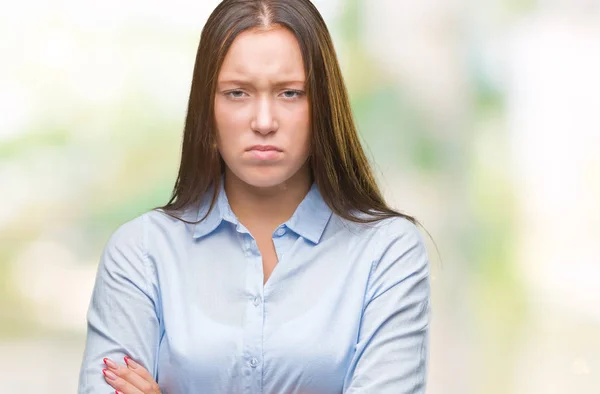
column 481, row 118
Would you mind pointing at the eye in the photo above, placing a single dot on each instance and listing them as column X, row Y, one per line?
column 235, row 94
column 291, row 94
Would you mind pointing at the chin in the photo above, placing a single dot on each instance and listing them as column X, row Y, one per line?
column 263, row 177
column 267, row 176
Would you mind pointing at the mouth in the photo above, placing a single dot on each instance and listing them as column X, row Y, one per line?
column 264, row 148
column 264, row 152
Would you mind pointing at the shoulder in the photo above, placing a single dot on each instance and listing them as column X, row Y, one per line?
column 399, row 253
column 158, row 221
column 125, row 259
column 141, row 231
column 397, row 237
column 386, row 240
column 399, row 228
column 392, row 239
column 381, row 231
column 129, row 235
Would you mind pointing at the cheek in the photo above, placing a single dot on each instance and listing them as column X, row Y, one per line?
column 221, row 117
column 228, row 123
column 301, row 137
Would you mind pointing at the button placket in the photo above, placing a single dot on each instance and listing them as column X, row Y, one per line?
column 253, row 324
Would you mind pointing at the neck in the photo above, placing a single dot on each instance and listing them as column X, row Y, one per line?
column 267, row 207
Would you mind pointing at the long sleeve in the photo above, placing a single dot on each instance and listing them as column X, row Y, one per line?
column 122, row 317
column 392, row 350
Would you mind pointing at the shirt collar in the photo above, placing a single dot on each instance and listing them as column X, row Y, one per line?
column 309, row 220
column 311, row 217
column 221, row 211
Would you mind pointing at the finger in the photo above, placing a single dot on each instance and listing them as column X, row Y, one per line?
column 138, row 369
column 119, row 384
column 129, row 376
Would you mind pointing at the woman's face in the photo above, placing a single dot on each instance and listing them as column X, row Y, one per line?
column 261, row 108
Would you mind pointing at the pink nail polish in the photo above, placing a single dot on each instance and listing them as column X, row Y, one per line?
column 110, row 363
column 130, row 362
column 109, row 374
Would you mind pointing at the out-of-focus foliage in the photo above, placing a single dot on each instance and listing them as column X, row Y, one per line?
column 479, row 119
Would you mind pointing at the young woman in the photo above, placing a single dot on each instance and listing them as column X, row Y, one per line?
column 276, row 267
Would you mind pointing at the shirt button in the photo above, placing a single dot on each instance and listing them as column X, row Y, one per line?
column 280, row 231
column 253, row 362
column 256, row 301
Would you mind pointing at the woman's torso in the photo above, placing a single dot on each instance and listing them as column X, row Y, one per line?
column 223, row 331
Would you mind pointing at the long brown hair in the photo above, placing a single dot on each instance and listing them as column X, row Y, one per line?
column 338, row 163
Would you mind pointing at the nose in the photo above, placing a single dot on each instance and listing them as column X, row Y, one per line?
column 264, row 121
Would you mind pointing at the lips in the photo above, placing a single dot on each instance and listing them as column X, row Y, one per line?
column 264, row 148
column 265, row 152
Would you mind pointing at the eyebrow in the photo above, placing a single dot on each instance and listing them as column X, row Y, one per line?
column 247, row 83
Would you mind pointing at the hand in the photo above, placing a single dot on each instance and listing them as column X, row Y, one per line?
column 130, row 379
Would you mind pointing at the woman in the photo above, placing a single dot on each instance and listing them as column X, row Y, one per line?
column 276, row 267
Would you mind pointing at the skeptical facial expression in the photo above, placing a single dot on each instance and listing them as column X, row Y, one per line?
column 261, row 108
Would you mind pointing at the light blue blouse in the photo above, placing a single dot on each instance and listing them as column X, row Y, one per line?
column 346, row 309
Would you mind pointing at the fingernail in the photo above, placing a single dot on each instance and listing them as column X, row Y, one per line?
column 130, row 362
column 118, row 392
column 109, row 374
column 110, row 363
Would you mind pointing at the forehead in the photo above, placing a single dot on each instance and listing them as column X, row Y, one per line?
column 260, row 53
